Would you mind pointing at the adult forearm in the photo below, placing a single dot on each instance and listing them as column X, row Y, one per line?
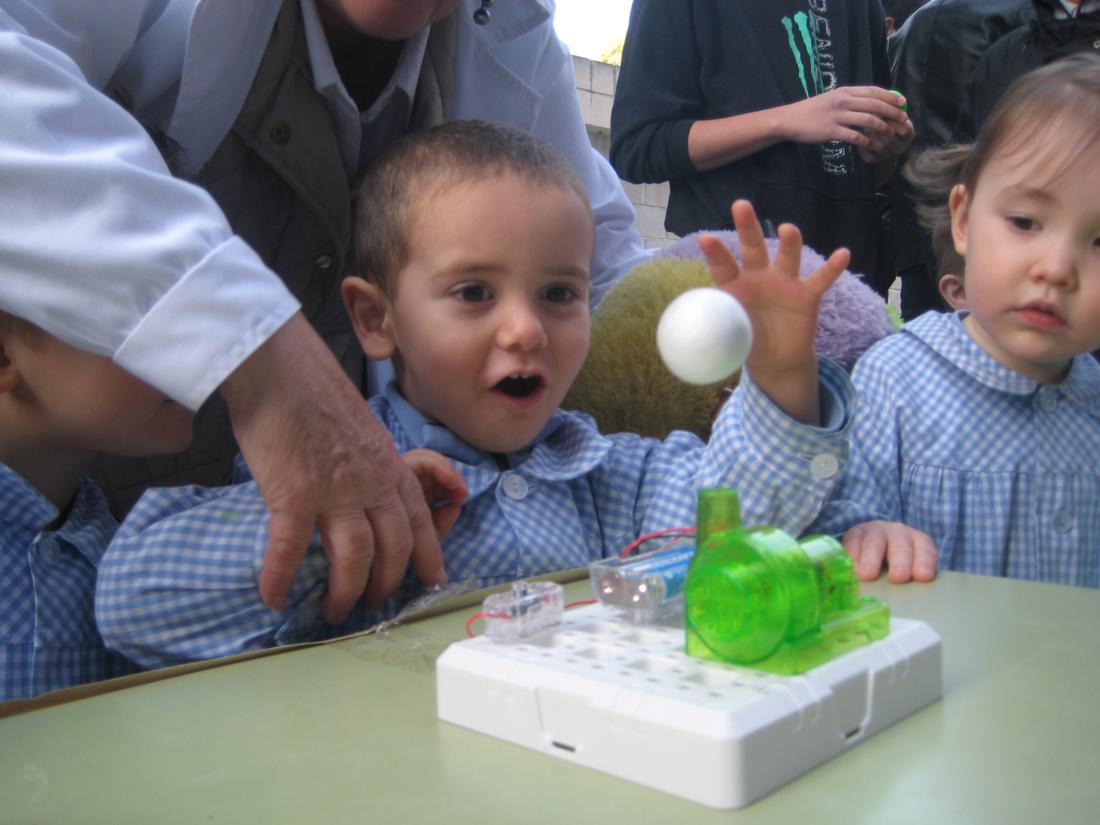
column 715, row 143
column 870, row 118
column 104, row 248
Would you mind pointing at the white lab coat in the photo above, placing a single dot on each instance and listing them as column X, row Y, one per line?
column 103, row 248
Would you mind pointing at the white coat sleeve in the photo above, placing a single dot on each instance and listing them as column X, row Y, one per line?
column 102, row 247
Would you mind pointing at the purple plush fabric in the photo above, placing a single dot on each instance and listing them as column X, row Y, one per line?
column 852, row 316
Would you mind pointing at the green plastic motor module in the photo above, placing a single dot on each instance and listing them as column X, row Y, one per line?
column 759, row 597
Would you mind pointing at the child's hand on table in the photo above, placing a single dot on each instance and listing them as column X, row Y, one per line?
column 907, row 552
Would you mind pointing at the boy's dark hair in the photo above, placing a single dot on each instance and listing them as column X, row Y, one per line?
column 425, row 163
column 1053, row 110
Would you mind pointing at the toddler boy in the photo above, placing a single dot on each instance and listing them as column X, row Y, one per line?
column 474, row 256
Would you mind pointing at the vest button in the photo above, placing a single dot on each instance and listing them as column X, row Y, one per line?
column 280, row 133
column 323, row 261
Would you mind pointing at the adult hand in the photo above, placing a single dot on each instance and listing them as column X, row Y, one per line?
column 883, row 147
column 909, row 553
column 868, row 117
column 321, row 458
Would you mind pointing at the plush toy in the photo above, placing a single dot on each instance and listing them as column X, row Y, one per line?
column 624, row 384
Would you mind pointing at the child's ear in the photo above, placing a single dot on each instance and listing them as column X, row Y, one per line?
column 369, row 310
column 953, row 291
column 959, row 204
column 9, row 373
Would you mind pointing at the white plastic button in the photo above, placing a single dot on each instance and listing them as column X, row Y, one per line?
column 823, row 466
column 1063, row 520
column 515, row 487
column 1048, row 399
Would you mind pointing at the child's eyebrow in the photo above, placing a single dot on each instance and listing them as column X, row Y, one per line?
column 1035, row 193
column 467, row 267
column 576, row 272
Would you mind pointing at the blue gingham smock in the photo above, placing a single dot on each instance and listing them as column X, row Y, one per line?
column 1001, row 471
column 180, row 581
column 48, row 637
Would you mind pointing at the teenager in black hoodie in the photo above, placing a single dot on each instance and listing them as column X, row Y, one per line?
column 783, row 102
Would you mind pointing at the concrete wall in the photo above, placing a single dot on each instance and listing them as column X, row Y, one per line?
column 595, row 90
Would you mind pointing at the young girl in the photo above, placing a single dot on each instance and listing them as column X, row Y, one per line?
column 982, row 427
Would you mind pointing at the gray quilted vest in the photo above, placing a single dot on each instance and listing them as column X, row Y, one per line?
column 279, row 178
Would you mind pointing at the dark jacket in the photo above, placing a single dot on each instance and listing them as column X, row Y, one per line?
column 933, row 55
column 1043, row 40
column 931, row 59
column 690, row 60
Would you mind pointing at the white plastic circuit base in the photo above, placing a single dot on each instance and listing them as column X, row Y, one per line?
column 625, row 699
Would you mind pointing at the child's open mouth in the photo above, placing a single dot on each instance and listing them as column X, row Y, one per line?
column 519, row 386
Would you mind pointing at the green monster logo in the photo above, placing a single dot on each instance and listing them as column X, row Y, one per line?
column 801, row 20
column 809, row 36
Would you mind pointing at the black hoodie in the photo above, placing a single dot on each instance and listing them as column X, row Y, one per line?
column 1044, row 40
column 689, row 60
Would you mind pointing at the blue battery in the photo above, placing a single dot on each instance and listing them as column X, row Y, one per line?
column 645, row 584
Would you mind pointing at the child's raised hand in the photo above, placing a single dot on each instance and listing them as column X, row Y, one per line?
column 444, row 487
column 909, row 553
column 782, row 306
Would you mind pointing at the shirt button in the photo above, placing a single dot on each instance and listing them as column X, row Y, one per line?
column 823, row 466
column 280, row 133
column 1062, row 520
column 1048, row 399
column 515, row 487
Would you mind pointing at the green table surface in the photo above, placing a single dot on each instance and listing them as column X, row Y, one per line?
column 346, row 732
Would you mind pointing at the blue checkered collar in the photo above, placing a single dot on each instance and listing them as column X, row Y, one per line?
column 569, row 446
column 943, row 332
column 88, row 528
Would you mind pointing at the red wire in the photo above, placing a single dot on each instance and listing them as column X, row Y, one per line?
column 482, row 614
column 489, row 614
column 677, row 532
column 680, row 532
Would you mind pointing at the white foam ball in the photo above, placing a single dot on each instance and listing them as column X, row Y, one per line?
column 704, row 335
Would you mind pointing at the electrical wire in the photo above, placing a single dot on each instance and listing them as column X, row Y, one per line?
column 679, row 532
